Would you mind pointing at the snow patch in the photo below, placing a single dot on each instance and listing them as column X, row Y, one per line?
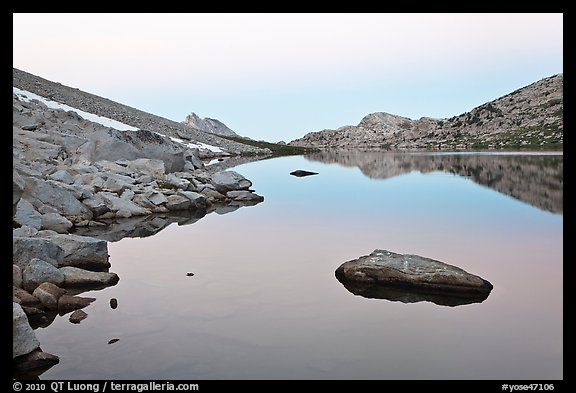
column 197, row 145
column 27, row 96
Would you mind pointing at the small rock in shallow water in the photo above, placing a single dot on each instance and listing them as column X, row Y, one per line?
column 301, row 173
column 113, row 303
column 114, row 340
column 77, row 316
column 189, row 274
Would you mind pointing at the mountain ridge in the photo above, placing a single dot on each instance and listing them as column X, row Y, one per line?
column 529, row 117
column 208, row 124
column 125, row 114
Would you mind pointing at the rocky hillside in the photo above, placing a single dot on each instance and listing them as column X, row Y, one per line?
column 208, row 125
column 145, row 121
column 530, row 117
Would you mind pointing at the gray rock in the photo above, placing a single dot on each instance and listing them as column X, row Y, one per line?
column 62, row 176
column 23, row 338
column 24, row 231
column 178, row 202
column 77, row 316
column 122, row 207
column 212, row 195
column 152, row 167
column 193, row 159
column 118, row 183
column 95, row 180
column 144, row 179
column 79, row 191
column 141, row 200
column 197, row 200
column 31, row 127
column 176, row 181
column 39, row 271
column 157, row 198
column 76, row 277
column 385, row 268
column 127, row 195
column 115, row 167
column 24, row 249
column 96, row 205
column 40, row 192
column 82, row 251
column 68, row 303
column 56, row 222
column 48, row 294
column 244, row 196
column 18, row 185
column 229, row 180
column 46, row 233
column 111, row 145
column 26, row 214
column 16, row 276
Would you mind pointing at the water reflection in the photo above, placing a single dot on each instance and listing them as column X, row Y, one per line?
column 145, row 226
column 411, row 295
column 536, row 179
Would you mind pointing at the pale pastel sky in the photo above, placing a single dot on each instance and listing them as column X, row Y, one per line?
column 279, row 76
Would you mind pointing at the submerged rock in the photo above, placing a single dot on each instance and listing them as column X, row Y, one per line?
column 411, row 278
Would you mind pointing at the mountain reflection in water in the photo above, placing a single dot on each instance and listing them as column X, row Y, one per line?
column 536, row 179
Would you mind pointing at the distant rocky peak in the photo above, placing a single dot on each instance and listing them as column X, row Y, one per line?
column 208, row 125
column 386, row 120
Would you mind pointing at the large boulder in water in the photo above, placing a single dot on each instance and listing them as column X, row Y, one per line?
column 411, row 278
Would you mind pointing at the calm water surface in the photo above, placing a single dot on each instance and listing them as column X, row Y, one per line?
column 264, row 302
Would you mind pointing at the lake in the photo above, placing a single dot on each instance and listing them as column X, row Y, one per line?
column 264, row 302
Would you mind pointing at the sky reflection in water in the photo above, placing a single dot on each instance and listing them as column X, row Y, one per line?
column 264, row 303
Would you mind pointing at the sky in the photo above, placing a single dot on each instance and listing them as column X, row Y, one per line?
column 279, row 76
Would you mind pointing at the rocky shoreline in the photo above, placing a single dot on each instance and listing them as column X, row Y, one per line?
column 71, row 174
